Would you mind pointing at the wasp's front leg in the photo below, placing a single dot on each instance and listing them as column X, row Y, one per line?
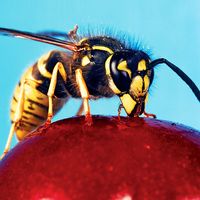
column 149, row 115
column 84, row 95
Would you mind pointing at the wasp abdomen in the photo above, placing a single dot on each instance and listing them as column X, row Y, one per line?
column 35, row 103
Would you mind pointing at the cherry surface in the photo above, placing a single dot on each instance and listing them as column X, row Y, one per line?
column 130, row 159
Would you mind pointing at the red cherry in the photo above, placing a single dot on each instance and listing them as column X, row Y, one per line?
column 131, row 159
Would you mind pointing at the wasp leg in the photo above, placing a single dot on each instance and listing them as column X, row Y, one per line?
column 80, row 110
column 149, row 115
column 58, row 67
column 72, row 33
column 84, row 94
column 17, row 118
column 119, row 110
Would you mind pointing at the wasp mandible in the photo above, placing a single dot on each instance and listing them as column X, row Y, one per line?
column 90, row 67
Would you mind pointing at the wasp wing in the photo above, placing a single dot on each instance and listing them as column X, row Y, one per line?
column 40, row 38
column 54, row 34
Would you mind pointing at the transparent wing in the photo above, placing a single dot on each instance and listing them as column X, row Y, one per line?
column 55, row 34
column 45, row 38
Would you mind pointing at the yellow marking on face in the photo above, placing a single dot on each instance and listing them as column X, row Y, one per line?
column 102, row 48
column 136, row 86
column 142, row 65
column 110, row 80
column 42, row 66
column 128, row 103
column 124, row 67
column 85, row 60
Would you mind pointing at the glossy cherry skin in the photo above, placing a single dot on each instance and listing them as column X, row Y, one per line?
column 130, row 159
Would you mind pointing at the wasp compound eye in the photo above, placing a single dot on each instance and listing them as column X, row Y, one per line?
column 120, row 72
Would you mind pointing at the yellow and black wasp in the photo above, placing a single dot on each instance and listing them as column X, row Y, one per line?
column 92, row 67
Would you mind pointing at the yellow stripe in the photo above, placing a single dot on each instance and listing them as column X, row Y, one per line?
column 85, row 60
column 102, row 48
column 42, row 66
column 82, row 40
column 31, row 108
column 107, row 65
column 124, row 67
column 110, row 80
column 28, row 77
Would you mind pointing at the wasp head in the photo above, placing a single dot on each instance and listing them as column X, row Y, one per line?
column 130, row 78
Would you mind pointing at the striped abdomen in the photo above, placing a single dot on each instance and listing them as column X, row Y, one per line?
column 36, row 102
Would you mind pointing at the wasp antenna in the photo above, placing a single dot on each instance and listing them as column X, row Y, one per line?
column 181, row 74
column 40, row 38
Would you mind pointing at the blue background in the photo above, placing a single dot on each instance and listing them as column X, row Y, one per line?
column 169, row 29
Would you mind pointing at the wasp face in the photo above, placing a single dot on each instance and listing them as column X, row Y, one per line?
column 130, row 78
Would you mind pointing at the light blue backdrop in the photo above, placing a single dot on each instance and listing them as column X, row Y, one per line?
column 169, row 29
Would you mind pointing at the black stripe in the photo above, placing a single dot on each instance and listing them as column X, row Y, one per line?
column 34, row 102
column 28, row 123
column 15, row 99
column 38, row 104
column 35, row 115
column 30, row 113
column 12, row 111
column 24, row 117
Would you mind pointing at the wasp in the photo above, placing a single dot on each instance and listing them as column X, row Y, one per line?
column 89, row 68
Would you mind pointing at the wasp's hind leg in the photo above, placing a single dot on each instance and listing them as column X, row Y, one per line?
column 17, row 117
column 58, row 68
column 145, row 113
column 84, row 94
